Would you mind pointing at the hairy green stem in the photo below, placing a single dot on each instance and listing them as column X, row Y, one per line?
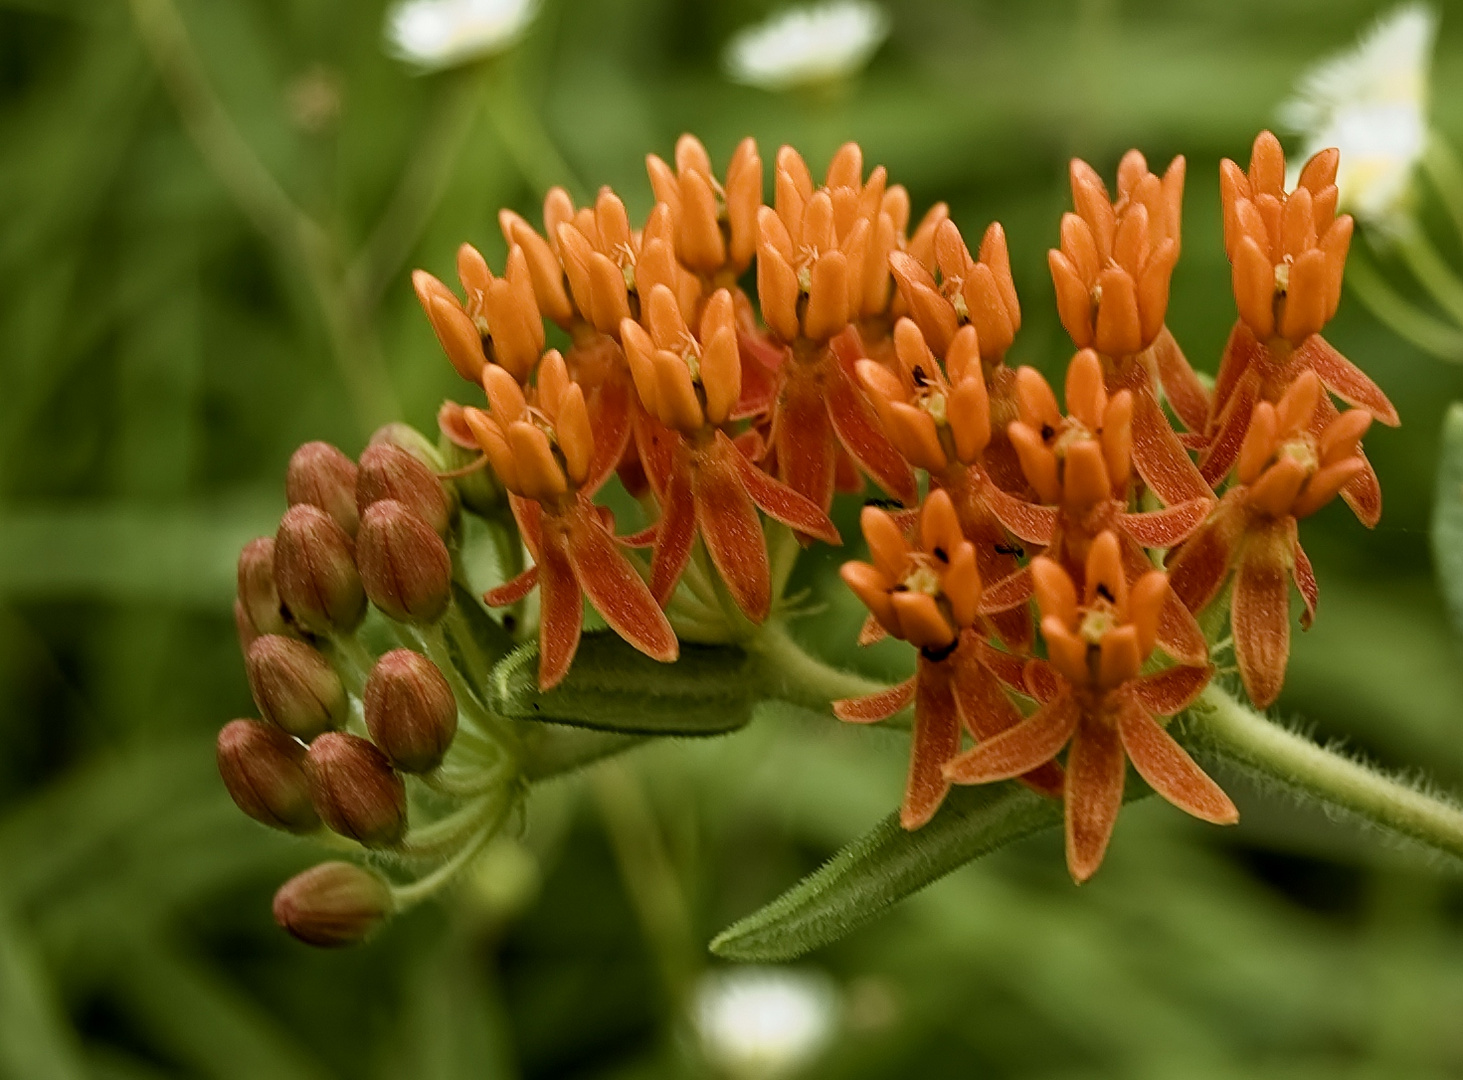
column 1242, row 737
column 407, row 896
column 792, row 674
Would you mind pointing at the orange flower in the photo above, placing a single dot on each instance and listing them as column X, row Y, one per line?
column 1093, row 696
column 821, row 265
column 967, row 292
column 1112, row 277
column 715, row 224
column 1080, row 465
column 939, row 417
column 499, row 323
column 688, row 386
column 543, row 453
column 1287, row 469
column 929, row 595
column 1288, row 253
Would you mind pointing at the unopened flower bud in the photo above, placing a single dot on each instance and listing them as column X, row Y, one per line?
column 389, row 472
column 295, row 687
column 355, row 790
column 404, row 565
column 322, row 476
column 333, row 904
column 263, row 769
column 257, row 596
column 410, row 710
column 315, row 571
column 405, row 437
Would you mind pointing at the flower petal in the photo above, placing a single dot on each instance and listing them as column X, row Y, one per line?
column 857, row 426
column 877, row 706
column 1345, row 379
column 1181, row 386
column 803, row 437
column 779, row 501
column 561, row 610
column 614, row 588
column 675, row 533
column 510, row 592
column 1158, row 456
column 1261, row 616
column 1167, row 527
column 935, row 740
column 729, row 526
column 1028, row 745
column 1095, row 768
column 1173, row 689
column 1169, row 770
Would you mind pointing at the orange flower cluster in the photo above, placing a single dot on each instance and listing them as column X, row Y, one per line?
column 871, row 351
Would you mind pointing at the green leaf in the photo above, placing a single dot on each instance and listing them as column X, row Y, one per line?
column 1447, row 527
column 36, row 1041
column 884, row 866
column 612, row 687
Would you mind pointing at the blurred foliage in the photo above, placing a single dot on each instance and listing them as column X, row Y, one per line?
column 161, row 357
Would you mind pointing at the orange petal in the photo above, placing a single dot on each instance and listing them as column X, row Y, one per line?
column 1346, row 380
column 561, row 611
column 1055, row 593
column 876, row 706
column 1031, row 743
column 778, row 501
column 1118, row 331
column 1260, row 617
column 935, row 740
column 1105, row 577
column 730, row 528
column 676, row 534
column 1169, row 770
column 1117, row 439
column 871, row 586
column 1085, row 482
column 1171, row 690
column 1254, row 286
column 1095, row 767
column 1086, row 394
column 614, row 588
column 1119, row 657
column 920, row 621
column 1074, row 301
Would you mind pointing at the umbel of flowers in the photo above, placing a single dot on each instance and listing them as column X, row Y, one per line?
column 1053, row 579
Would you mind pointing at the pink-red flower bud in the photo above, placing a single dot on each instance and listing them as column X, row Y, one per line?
column 333, row 904
column 295, row 687
column 258, row 598
column 389, row 472
column 322, row 476
column 355, row 790
column 404, row 565
column 315, row 571
column 410, row 710
column 263, row 769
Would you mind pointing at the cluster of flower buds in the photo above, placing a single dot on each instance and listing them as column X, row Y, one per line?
column 357, row 534
column 1051, row 578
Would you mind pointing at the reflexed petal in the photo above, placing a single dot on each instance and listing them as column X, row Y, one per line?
column 1031, row 743
column 1345, row 379
column 1167, row 527
column 803, row 437
column 729, row 526
column 1166, row 692
column 675, row 534
column 876, row 706
column 561, row 611
column 1261, row 616
column 1180, row 384
column 1158, row 456
column 1029, row 522
column 778, row 501
column 857, row 428
column 1169, row 770
column 614, row 588
column 1095, row 767
column 510, row 592
column 935, row 740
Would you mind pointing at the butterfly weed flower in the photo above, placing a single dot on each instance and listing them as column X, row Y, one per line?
column 1287, row 251
column 1112, row 279
column 927, row 592
column 1097, row 703
column 813, row 266
column 1286, row 470
column 543, row 454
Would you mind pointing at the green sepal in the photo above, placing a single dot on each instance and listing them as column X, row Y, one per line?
column 1447, row 525
column 887, row 864
column 612, row 687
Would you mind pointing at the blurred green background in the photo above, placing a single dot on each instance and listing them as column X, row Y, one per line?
column 161, row 354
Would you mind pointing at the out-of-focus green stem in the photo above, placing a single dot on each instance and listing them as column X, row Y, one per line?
column 792, row 674
column 1431, row 269
column 649, row 876
column 1279, row 757
column 1427, row 332
column 523, row 134
column 298, row 239
column 1446, row 173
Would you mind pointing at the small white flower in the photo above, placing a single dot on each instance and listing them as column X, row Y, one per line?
column 807, row 45
column 1371, row 103
column 436, row 34
column 764, row 1022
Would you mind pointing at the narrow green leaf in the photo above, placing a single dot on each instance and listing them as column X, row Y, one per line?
column 884, row 866
column 612, row 687
column 1447, row 527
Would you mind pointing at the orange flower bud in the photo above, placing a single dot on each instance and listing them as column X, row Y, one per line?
column 257, row 596
column 355, row 790
column 263, row 770
column 295, row 687
column 333, row 904
column 322, row 476
column 404, row 565
column 410, row 711
column 315, row 571
column 459, row 337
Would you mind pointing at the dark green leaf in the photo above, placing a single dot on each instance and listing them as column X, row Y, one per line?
column 613, row 687
column 1447, row 527
column 884, row 866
